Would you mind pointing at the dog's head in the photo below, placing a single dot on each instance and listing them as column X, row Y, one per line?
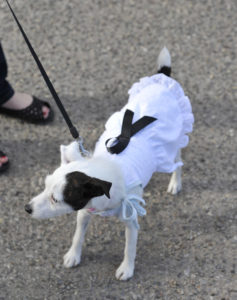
column 67, row 189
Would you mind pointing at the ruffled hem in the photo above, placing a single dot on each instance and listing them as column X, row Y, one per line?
column 182, row 100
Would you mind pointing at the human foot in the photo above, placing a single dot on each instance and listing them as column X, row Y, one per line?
column 28, row 108
column 21, row 101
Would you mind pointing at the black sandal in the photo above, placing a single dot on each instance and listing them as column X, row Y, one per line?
column 4, row 166
column 32, row 113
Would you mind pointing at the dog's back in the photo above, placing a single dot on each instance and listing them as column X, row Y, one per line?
column 154, row 148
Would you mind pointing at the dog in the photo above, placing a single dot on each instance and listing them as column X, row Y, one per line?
column 111, row 183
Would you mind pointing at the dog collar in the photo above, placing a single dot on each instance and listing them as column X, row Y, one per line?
column 105, row 213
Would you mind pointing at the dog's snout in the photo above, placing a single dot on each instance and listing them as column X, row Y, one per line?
column 28, row 208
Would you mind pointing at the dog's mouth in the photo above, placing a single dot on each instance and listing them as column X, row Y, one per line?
column 45, row 210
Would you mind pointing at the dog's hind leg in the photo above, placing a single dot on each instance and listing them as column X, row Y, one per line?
column 126, row 269
column 73, row 256
column 175, row 184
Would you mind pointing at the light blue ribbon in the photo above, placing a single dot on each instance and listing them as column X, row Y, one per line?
column 131, row 208
column 128, row 211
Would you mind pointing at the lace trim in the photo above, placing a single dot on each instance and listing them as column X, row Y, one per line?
column 176, row 89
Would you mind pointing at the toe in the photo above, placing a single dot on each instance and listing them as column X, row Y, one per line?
column 124, row 272
column 71, row 259
column 45, row 111
column 3, row 160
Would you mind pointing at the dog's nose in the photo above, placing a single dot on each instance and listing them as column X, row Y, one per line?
column 28, row 208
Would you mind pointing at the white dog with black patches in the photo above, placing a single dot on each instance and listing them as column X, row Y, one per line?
column 111, row 183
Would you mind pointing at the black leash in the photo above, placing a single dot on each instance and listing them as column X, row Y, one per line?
column 118, row 144
column 72, row 128
column 113, row 145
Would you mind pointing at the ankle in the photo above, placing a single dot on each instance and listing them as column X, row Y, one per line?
column 18, row 101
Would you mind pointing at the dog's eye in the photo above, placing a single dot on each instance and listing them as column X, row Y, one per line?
column 53, row 199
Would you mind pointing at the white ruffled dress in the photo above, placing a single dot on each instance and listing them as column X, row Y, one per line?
column 154, row 148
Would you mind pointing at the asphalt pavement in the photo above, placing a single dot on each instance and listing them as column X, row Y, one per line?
column 94, row 51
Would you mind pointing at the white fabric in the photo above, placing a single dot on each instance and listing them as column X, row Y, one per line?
column 154, row 148
column 129, row 209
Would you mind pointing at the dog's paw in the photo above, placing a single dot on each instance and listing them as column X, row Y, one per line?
column 124, row 272
column 71, row 259
column 175, row 185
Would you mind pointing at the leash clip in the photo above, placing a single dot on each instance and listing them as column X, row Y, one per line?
column 82, row 150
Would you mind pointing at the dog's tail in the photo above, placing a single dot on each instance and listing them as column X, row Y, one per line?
column 164, row 62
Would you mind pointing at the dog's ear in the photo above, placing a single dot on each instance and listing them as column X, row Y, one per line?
column 96, row 187
column 81, row 188
column 70, row 153
column 63, row 154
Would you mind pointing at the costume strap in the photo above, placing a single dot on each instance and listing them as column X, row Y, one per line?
column 118, row 144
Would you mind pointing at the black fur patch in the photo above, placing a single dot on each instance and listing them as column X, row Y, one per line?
column 165, row 70
column 80, row 189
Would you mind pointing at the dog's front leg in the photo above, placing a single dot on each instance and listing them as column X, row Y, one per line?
column 126, row 269
column 73, row 256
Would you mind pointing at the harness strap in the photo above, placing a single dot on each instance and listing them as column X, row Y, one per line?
column 118, row 144
column 72, row 128
column 126, row 126
column 142, row 123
